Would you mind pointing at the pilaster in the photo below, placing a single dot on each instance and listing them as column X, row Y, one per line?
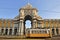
column 19, row 31
column 4, row 31
column 55, row 31
column 12, row 31
column 8, row 31
column 50, row 32
column 0, row 31
column 34, row 24
column 59, row 31
column 21, row 28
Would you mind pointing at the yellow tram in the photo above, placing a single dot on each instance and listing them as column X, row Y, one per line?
column 38, row 33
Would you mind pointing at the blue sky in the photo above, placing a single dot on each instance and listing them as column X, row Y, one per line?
column 47, row 9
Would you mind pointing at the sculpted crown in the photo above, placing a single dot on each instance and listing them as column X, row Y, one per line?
column 28, row 6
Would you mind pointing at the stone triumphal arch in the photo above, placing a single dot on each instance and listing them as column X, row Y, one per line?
column 28, row 13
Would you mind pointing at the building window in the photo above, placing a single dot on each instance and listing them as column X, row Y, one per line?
column 10, row 32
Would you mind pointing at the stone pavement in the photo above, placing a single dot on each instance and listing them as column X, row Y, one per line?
column 31, row 39
column 53, row 38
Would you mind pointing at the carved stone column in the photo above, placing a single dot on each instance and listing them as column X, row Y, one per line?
column 21, row 28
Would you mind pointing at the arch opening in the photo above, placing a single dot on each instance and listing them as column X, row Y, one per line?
column 6, row 31
column 53, row 31
column 27, row 22
column 10, row 33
